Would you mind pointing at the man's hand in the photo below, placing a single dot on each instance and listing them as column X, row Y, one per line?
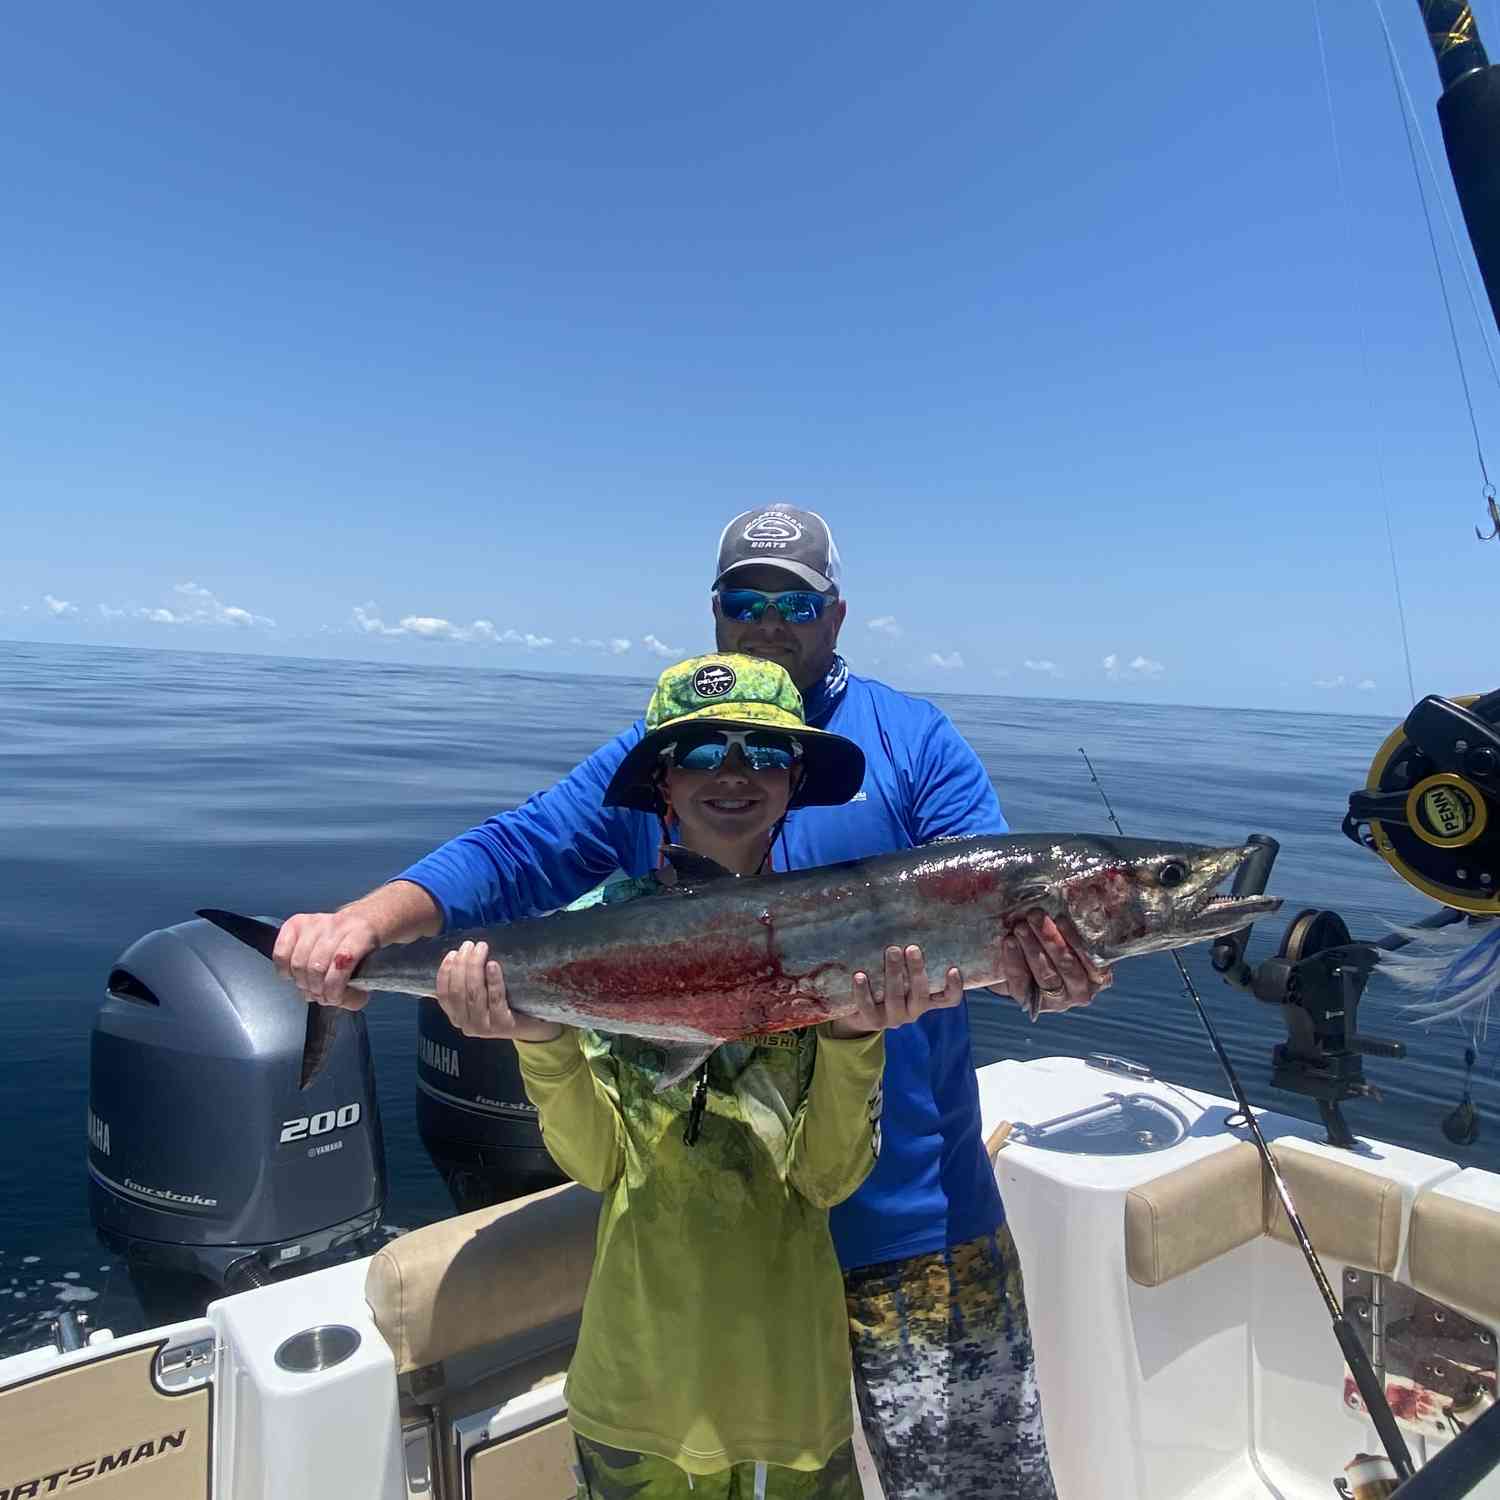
column 906, row 996
column 471, row 990
column 1046, row 966
column 317, row 951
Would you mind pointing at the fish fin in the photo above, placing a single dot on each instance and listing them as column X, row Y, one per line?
column 317, row 1042
column 254, row 934
column 683, row 1060
column 695, row 869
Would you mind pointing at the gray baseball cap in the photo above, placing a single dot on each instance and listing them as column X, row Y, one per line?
column 781, row 536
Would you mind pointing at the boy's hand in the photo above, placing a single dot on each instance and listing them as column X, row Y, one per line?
column 907, row 994
column 471, row 990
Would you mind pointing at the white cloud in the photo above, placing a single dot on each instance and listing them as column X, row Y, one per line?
column 371, row 623
column 161, row 617
column 1331, row 682
column 436, row 628
column 210, row 611
column 431, row 628
column 1137, row 666
column 1367, row 686
column 527, row 639
column 658, row 648
column 885, row 624
column 112, row 614
column 59, row 609
column 615, row 646
column 950, row 663
column 1042, row 665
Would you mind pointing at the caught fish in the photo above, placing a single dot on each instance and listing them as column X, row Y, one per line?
column 718, row 957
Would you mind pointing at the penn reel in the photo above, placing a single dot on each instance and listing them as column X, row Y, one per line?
column 1430, row 807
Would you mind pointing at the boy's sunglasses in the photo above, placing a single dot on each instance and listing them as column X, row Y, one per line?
column 706, row 752
column 796, row 607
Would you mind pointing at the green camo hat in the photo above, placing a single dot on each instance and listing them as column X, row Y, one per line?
column 735, row 692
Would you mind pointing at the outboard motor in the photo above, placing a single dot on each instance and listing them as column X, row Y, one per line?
column 206, row 1160
column 476, row 1122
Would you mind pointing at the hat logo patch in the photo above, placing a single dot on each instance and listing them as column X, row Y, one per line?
column 773, row 526
column 713, row 681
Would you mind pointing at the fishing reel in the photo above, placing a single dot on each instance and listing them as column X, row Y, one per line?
column 1316, row 980
column 1430, row 807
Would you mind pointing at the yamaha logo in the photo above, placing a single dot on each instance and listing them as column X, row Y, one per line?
column 713, row 681
column 773, row 526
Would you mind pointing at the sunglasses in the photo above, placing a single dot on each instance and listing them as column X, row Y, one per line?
column 762, row 752
column 796, row 607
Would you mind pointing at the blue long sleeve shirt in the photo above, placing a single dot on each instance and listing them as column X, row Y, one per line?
column 932, row 1186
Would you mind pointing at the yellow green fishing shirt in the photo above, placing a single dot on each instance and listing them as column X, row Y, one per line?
column 714, row 1330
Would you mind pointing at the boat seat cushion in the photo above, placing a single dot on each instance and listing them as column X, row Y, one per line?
column 1453, row 1255
column 1193, row 1215
column 1352, row 1216
column 1189, row 1217
column 473, row 1280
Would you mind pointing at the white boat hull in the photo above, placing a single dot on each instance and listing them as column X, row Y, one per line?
column 1221, row 1379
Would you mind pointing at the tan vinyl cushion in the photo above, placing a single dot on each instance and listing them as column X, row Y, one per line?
column 1187, row 1218
column 1193, row 1215
column 455, row 1286
column 1351, row 1216
column 1455, row 1254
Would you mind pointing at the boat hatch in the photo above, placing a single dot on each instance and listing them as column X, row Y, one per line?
column 133, row 1417
column 1432, row 1358
column 1118, row 1125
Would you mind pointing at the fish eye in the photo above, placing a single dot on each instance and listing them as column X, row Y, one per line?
column 1174, row 872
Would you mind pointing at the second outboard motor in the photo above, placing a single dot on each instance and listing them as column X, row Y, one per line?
column 206, row 1160
column 476, row 1122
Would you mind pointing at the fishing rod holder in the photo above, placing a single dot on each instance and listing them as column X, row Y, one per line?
column 1316, row 980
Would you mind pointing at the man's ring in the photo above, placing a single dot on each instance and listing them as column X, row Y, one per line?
column 1051, row 994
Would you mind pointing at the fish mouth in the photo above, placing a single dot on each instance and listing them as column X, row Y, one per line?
column 1221, row 914
column 1210, row 912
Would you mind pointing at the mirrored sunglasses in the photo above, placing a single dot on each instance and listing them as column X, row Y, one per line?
column 706, row 752
column 796, row 606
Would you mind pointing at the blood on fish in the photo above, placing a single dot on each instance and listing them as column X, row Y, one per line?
column 729, row 987
column 957, row 885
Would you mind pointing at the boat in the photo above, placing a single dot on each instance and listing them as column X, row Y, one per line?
column 1183, row 1351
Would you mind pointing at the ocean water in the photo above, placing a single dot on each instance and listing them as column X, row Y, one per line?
column 136, row 786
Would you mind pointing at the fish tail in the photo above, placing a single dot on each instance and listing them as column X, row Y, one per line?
column 317, row 1042
column 254, row 934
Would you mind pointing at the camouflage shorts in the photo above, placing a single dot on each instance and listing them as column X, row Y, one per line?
column 614, row 1474
column 945, row 1376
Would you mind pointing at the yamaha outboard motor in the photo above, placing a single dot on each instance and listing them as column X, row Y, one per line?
column 206, row 1160
column 476, row 1122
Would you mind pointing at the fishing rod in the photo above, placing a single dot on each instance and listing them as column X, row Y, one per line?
column 1469, row 111
column 1355, row 1357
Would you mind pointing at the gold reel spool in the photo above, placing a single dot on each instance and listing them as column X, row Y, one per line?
column 1430, row 807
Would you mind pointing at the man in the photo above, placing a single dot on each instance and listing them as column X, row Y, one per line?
column 942, row 1351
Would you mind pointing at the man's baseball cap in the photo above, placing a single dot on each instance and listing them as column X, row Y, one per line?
column 781, row 536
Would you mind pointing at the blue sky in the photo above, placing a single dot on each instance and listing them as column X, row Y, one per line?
column 335, row 330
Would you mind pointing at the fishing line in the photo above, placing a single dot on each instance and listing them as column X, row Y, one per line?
column 1364, row 345
column 1354, row 1354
